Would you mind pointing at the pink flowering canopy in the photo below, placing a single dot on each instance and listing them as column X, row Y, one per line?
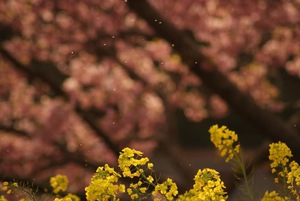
column 80, row 80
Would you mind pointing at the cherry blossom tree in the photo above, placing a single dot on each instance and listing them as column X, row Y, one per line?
column 80, row 80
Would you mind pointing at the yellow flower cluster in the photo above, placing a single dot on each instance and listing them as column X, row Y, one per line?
column 133, row 164
column 136, row 190
column 9, row 187
column 16, row 188
column 59, row 183
column 279, row 154
column 68, row 197
column 224, row 140
column 272, row 196
column 288, row 171
column 293, row 178
column 168, row 189
column 130, row 162
column 208, row 186
column 104, row 185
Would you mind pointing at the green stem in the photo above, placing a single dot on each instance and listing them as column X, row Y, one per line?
column 283, row 180
column 242, row 167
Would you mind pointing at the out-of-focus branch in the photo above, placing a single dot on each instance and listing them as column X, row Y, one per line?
column 268, row 124
column 7, row 32
column 11, row 129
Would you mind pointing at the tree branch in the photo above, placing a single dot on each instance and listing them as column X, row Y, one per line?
column 11, row 129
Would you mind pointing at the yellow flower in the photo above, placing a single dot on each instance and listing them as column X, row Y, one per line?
column 5, row 186
column 59, row 183
column 134, row 196
column 143, row 189
column 122, row 188
column 69, row 197
column 272, row 196
column 150, row 166
column 294, row 174
column 2, row 198
column 224, row 140
column 293, row 179
column 136, row 190
column 167, row 188
column 131, row 162
column 150, row 179
column 279, row 154
column 288, row 171
column 103, row 185
column 208, row 186
column 9, row 187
